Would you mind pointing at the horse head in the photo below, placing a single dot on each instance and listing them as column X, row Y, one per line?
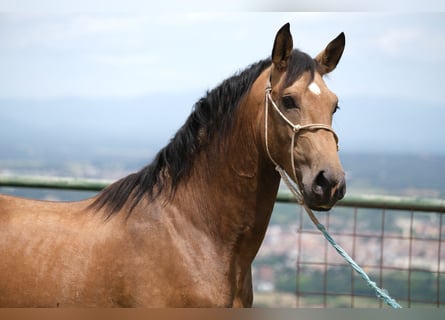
column 299, row 110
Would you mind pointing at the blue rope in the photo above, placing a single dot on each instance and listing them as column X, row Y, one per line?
column 381, row 293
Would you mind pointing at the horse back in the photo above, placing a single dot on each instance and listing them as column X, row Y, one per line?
column 64, row 254
column 49, row 252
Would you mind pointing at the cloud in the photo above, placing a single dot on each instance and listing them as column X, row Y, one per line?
column 396, row 41
column 85, row 24
column 22, row 31
column 413, row 42
column 125, row 60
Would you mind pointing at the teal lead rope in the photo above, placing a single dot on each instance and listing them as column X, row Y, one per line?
column 294, row 189
column 381, row 293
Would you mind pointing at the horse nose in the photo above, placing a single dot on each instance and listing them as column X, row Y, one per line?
column 328, row 186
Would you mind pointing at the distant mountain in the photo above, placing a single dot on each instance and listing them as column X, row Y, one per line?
column 407, row 174
column 38, row 128
column 54, row 127
column 390, row 125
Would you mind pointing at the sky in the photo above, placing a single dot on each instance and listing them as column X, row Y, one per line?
column 126, row 55
column 389, row 80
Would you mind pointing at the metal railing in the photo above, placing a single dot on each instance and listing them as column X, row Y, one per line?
column 362, row 201
column 402, row 251
column 399, row 241
column 59, row 183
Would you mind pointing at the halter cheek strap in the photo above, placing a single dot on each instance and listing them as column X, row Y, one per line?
column 296, row 128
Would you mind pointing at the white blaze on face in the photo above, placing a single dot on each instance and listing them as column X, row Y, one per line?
column 314, row 88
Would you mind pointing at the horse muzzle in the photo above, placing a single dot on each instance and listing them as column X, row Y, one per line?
column 325, row 189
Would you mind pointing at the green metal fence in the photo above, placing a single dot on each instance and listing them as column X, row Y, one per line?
column 361, row 201
column 60, row 183
column 400, row 241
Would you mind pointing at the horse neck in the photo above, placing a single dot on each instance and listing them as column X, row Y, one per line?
column 234, row 184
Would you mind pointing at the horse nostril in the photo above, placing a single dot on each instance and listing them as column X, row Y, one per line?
column 340, row 190
column 327, row 187
column 321, row 184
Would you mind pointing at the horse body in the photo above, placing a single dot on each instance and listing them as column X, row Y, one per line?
column 47, row 250
column 189, row 252
column 56, row 259
column 191, row 238
column 170, row 249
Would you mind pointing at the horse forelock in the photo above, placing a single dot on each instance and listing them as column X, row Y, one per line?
column 299, row 63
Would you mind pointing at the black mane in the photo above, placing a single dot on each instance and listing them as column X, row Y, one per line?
column 211, row 117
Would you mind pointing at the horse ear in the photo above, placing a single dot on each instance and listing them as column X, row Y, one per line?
column 329, row 57
column 282, row 48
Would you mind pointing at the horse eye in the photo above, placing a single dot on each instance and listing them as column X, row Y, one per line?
column 289, row 102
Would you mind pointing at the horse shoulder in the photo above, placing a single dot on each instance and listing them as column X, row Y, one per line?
column 171, row 263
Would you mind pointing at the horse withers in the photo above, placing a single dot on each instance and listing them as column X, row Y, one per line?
column 184, row 230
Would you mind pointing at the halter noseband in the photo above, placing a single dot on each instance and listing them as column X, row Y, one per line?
column 296, row 128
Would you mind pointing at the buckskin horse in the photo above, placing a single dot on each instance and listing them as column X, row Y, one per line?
column 184, row 230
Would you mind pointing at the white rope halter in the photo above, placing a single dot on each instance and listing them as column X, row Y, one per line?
column 296, row 128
